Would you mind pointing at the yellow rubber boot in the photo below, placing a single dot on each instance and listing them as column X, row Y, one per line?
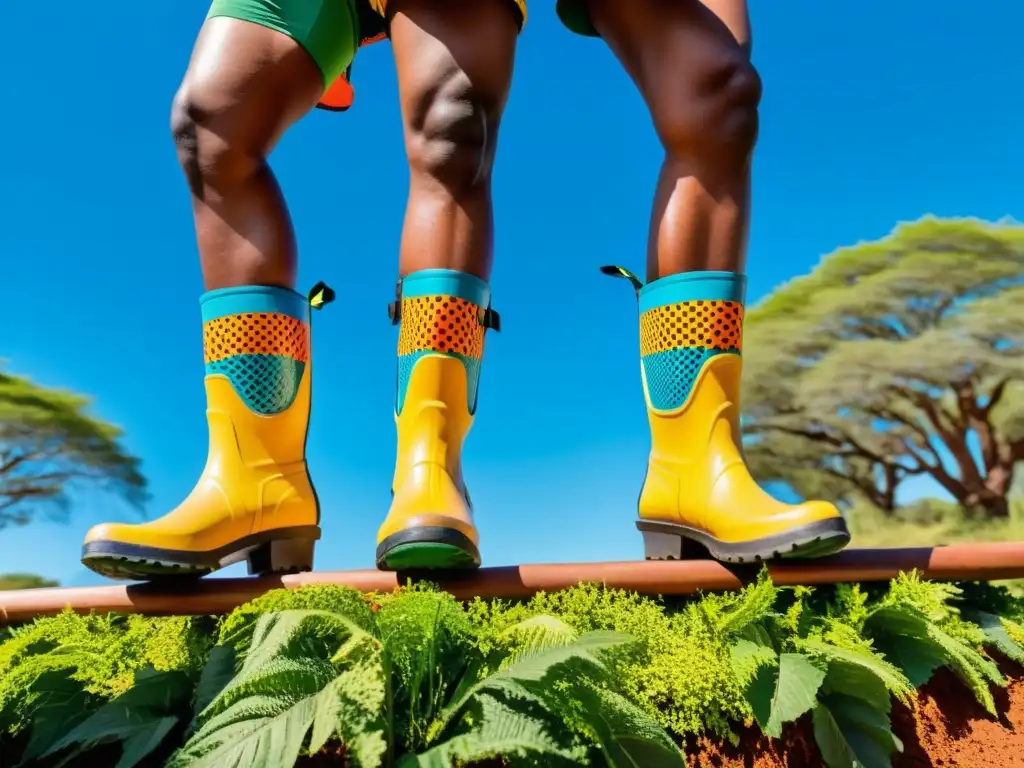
column 254, row 500
column 443, row 316
column 698, row 487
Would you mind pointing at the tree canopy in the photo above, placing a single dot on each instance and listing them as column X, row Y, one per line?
column 892, row 359
column 50, row 445
column 24, row 581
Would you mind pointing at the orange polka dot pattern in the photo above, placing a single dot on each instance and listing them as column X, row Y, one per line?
column 267, row 333
column 692, row 324
column 441, row 324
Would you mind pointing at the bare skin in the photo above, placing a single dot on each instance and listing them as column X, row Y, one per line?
column 454, row 65
column 226, row 120
column 691, row 62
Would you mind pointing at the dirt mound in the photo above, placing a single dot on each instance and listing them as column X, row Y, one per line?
column 944, row 727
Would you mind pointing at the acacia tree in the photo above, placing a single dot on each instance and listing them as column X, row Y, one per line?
column 50, row 445
column 897, row 358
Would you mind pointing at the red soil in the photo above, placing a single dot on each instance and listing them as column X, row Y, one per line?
column 945, row 727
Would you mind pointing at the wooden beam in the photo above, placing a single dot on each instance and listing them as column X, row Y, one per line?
column 212, row 595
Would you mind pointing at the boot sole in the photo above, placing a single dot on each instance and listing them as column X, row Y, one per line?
column 670, row 541
column 282, row 550
column 427, row 548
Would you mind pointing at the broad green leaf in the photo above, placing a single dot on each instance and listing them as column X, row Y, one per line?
column 914, row 641
column 265, row 726
column 993, row 628
column 901, row 634
column 628, row 736
column 835, row 750
column 976, row 671
column 289, row 686
column 144, row 740
column 502, row 731
column 136, row 714
column 61, row 705
column 852, row 734
column 280, row 632
column 284, row 634
column 917, row 658
column 354, row 710
column 760, row 691
column 521, row 687
column 859, row 681
column 800, row 677
column 757, row 633
column 874, row 664
column 217, row 673
column 586, row 649
column 886, row 619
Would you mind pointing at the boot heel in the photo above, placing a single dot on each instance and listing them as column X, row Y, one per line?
column 282, row 556
column 662, row 546
column 659, row 545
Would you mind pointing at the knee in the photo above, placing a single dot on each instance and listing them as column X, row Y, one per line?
column 452, row 135
column 714, row 115
column 206, row 151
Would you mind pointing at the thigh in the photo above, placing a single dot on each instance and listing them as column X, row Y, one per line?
column 682, row 54
column 259, row 65
column 464, row 44
column 681, row 38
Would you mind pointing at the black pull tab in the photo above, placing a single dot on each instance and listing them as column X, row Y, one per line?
column 395, row 307
column 320, row 295
column 490, row 320
column 614, row 271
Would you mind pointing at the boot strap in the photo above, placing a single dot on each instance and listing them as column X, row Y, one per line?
column 320, row 295
column 488, row 318
column 615, row 271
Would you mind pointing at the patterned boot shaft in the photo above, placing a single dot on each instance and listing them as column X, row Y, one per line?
column 678, row 339
column 442, row 312
column 258, row 338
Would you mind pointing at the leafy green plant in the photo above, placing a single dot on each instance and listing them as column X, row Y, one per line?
column 90, row 659
column 416, row 679
column 310, row 676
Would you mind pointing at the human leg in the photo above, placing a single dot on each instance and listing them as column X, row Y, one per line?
column 690, row 60
column 455, row 63
column 256, row 68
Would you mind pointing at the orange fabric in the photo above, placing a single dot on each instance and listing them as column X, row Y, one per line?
column 441, row 324
column 708, row 324
column 340, row 94
column 268, row 333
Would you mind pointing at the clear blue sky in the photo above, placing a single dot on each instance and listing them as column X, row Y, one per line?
column 873, row 113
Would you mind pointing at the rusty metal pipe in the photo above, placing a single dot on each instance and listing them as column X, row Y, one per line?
column 960, row 562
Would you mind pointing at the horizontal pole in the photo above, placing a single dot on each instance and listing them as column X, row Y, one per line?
column 960, row 562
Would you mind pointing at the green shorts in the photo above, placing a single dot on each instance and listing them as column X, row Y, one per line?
column 329, row 30
column 576, row 17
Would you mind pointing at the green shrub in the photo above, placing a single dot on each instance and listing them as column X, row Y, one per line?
column 102, row 653
column 585, row 676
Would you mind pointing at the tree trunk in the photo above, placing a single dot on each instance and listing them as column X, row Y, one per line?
column 995, row 507
column 993, row 498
